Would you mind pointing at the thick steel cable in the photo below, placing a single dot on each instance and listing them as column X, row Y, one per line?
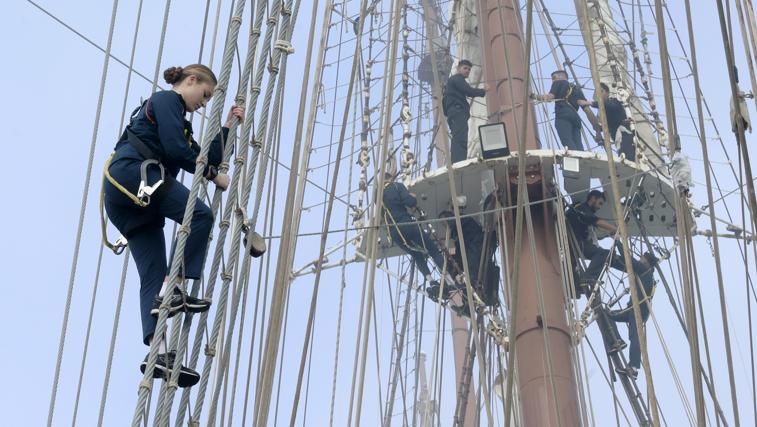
column 237, row 177
column 262, row 279
column 179, row 339
column 283, row 266
column 214, row 127
column 274, row 139
column 80, row 226
column 285, row 33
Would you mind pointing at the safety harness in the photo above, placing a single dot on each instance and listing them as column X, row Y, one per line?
column 145, row 191
column 390, row 222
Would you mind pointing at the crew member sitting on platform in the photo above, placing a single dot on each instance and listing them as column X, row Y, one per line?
column 582, row 219
column 644, row 271
column 409, row 235
column 141, row 191
column 617, row 123
column 457, row 108
column 568, row 98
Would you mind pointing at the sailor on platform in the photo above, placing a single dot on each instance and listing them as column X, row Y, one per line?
column 457, row 108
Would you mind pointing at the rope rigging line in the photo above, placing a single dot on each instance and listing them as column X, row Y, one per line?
column 621, row 224
column 80, row 226
column 283, row 266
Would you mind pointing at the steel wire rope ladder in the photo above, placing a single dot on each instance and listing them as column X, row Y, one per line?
column 277, row 65
column 238, row 177
column 213, row 128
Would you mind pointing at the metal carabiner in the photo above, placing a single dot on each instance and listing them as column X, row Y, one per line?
column 146, row 191
column 119, row 245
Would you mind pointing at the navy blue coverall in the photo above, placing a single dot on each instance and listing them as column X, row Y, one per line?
column 567, row 121
column 407, row 235
column 161, row 126
column 645, row 275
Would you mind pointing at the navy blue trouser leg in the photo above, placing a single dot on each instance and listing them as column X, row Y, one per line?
column 634, row 347
column 172, row 205
column 569, row 133
column 148, row 248
column 414, row 236
column 458, row 125
column 598, row 256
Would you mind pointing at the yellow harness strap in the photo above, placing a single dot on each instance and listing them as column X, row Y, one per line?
column 117, row 248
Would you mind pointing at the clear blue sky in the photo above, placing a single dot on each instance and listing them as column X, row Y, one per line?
column 51, row 80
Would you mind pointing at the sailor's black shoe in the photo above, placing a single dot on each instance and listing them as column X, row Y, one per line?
column 163, row 366
column 195, row 305
column 175, row 304
column 179, row 301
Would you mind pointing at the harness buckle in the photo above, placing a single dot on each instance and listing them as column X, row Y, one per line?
column 146, row 191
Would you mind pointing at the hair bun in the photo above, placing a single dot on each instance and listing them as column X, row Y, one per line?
column 172, row 75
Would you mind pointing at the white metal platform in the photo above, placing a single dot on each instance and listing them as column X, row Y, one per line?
column 651, row 192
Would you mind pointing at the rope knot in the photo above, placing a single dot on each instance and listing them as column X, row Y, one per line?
column 257, row 142
column 224, row 223
column 236, row 20
column 146, row 384
column 185, row 228
column 173, row 385
column 226, row 276
column 272, row 20
column 238, row 161
column 255, row 89
column 286, row 11
column 202, row 160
